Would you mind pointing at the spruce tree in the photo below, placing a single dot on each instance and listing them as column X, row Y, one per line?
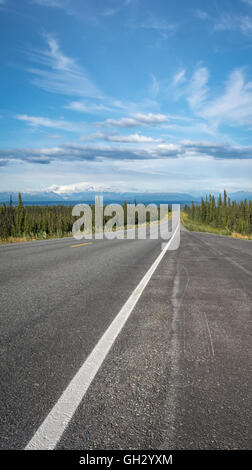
column 20, row 217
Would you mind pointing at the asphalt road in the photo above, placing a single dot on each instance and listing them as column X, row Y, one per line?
column 179, row 374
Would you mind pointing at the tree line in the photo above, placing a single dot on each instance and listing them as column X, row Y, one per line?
column 42, row 221
column 34, row 221
column 223, row 213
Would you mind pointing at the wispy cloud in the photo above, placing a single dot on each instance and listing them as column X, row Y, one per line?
column 87, row 107
column 158, row 25
column 234, row 106
column 72, row 9
column 249, row 2
column 60, row 73
column 231, row 22
column 201, row 14
column 192, row 128
column 61, row 124
column 119, row 5
column 179, row 77
column 113, row 105
column 162, row 28
column 110, row 12
column 48, row 3
column 136, row 120
column 228, row 21
column 197, row 89
column 154, row 89
column 64, row 4
column 54, row 136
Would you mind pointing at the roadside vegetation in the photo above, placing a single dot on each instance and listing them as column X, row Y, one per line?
column 28, row 223
column 223, row 217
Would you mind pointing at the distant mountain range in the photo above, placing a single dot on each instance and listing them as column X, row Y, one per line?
column 88, row 196
column 241, row 196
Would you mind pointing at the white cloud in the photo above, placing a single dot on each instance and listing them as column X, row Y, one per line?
column 56, row 58
column 179, row 77
column 113, row 11
column 197, row 89
column 100, row 106
column 194, row 90
column 72, row 152
column 232, row 107
column 91, row 108
column 231, row 22
column 247, row 1
column 54, row 136
column 66, row 5
column 158, row 25
column 150, row 118
column 235, row 105
column 161, row 27
column 110, row 11
column 132, row 138
column 196, row 128
column 137, row 120
column 154, row 89
column 61, row 74
column 228, row 21
column 51, row 3
column 38, row 121
column 202, row 15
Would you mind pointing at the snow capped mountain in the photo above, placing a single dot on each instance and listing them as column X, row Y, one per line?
column 82, row 187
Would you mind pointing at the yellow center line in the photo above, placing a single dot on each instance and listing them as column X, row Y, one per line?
column 82, row 244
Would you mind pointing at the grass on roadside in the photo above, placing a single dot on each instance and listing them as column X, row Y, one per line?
column 33, row 239
column 194, row 226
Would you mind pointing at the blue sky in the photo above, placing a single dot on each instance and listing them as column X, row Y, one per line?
column 126, row 94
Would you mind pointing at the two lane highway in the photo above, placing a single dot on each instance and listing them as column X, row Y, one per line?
column 179, row 374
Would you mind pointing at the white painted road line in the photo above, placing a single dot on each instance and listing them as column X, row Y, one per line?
column 51, row 430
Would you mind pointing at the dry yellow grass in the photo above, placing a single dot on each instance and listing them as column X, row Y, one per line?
column 19, row 239
column 239, row 235
column 28, row 239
